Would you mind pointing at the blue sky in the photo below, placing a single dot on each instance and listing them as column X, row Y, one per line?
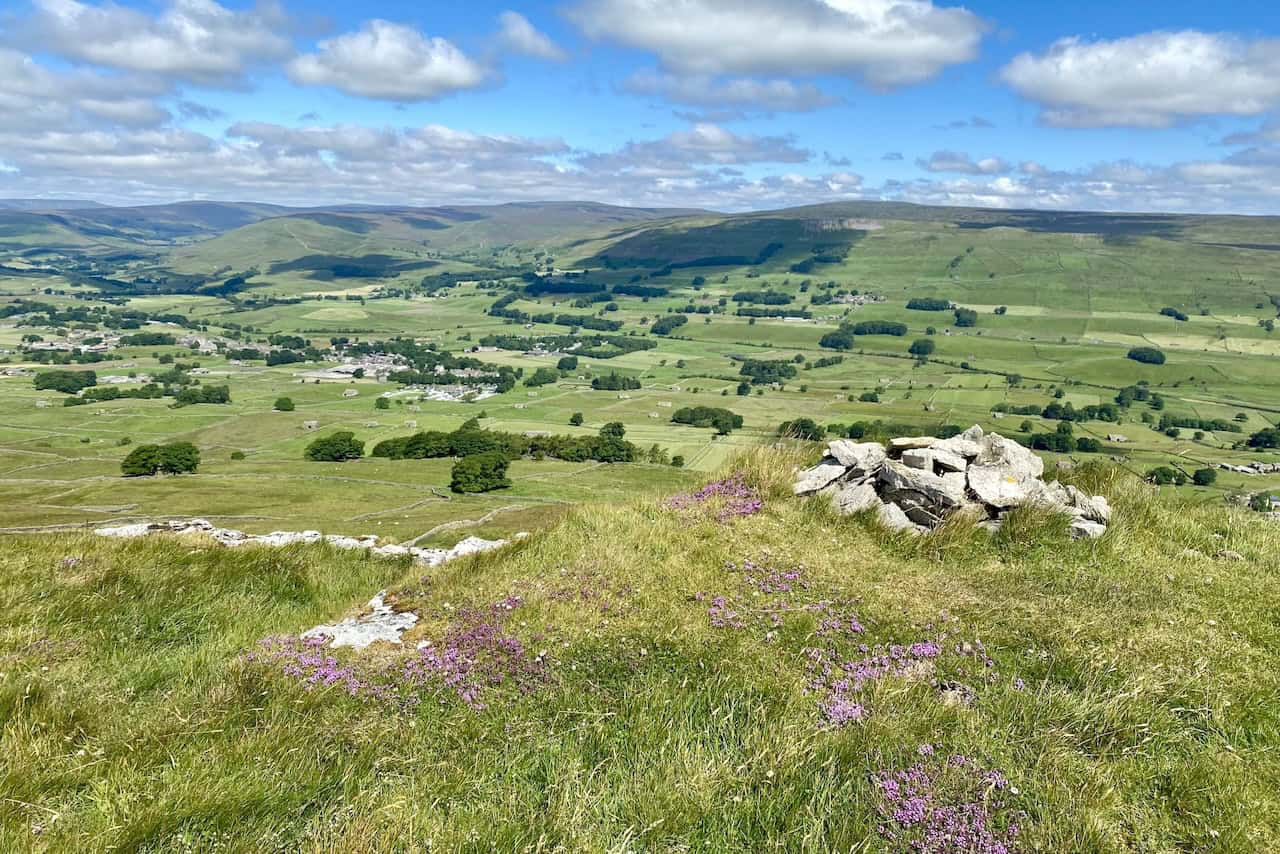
column 730, row 105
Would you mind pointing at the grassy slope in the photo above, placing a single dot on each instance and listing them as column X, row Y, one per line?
column 1149, row 721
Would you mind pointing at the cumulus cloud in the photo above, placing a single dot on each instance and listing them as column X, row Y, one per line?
column 197, row 41
column 958, row 161
column 1152, row 80
column 389, row 61
column 886, row 43
column 517, row 35
column 775, row 95
column 33, row 97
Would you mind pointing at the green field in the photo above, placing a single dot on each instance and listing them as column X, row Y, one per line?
column 1076, row 293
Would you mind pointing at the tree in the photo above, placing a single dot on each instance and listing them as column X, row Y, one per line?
column 541, row 377
column 142, row 461
column 480, row 473
column 1205, row 477
column 1166, row 476
column 150, row 460
column 567, row 363
column 802, row 428
column 966, row 317
column 613, row 430
column 179, row 458
column 923, row 348
column 677, row 461
column 744, row 389
column 1147, row 355
column 1260, row 502
column 381, row 403
column 283, row 404
column 67, row 382
column 575, row 420
column 1268, row 438
column 337, row 448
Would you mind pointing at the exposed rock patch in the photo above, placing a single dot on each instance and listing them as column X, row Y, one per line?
column 382, row 623
column 277, row 539
column 916, row 483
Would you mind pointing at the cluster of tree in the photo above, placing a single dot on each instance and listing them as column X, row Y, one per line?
column 1006, row 408
column 587, row 321
column 923, row 348
column 97, row 315
column 667, row 325
column 1139, row 393
column 1174, row 313
column 480, row 473
column 548, row 285
column 97, row 394
column 966, row 317
column 826, row 362
column 882, row 431
column 541, row 377
column 615, row 382
column 205, row 394
column 1267, row 438
column 335, row 448
column 150, row 460
column 1065, row 443
column 642, row 291
column 587, row 346
column 67, row 382
column 148, row 339
column 774, row 312
column 843, row 338
column 469, row 440
column 930, row 304
column 802, row 428
column 1147, row 355
column 763, row 298
column 1170, row 476
column 766, row 371
column 1108, row 412
column 723, row 420
column 1220, row 425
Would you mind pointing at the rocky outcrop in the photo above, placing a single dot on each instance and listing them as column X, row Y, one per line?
column 917, row 483
column 236, row 539
column 382, row 623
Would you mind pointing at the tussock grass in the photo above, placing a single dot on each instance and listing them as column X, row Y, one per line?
column 1146, row 717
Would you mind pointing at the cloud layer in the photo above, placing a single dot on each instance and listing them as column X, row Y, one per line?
column 1152, row 80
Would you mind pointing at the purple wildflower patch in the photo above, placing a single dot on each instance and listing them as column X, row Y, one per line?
column 477, row 655
column 947, row 807
column 723, row 500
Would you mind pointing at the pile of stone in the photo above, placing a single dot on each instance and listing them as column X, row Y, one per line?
column 1252, row 469
column 914, row 484
column 369, row 542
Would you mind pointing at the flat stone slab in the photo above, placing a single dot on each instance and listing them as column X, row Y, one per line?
column 381, row 624
column 855, row 499
column 819, row 477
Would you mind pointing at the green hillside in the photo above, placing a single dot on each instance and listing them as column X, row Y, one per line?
column 644, row 678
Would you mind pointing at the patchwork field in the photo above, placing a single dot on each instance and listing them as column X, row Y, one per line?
column 1059, row 302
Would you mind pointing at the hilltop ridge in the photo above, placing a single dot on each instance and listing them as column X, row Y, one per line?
column 730, row 668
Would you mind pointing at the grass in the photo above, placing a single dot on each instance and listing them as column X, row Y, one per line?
column 1130, row 698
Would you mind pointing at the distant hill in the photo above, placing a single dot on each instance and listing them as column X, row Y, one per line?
column 48, row 204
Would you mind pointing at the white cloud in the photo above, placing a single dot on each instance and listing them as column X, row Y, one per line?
column 884, row 42
column 1151, row 80
column 34, row 97
column 958, row 161
column 390, row 62
column 192, row 40
column 517, row 35
column 1268, row 133
column 741, row 93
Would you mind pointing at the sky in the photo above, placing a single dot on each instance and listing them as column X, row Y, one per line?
column 721, row 104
